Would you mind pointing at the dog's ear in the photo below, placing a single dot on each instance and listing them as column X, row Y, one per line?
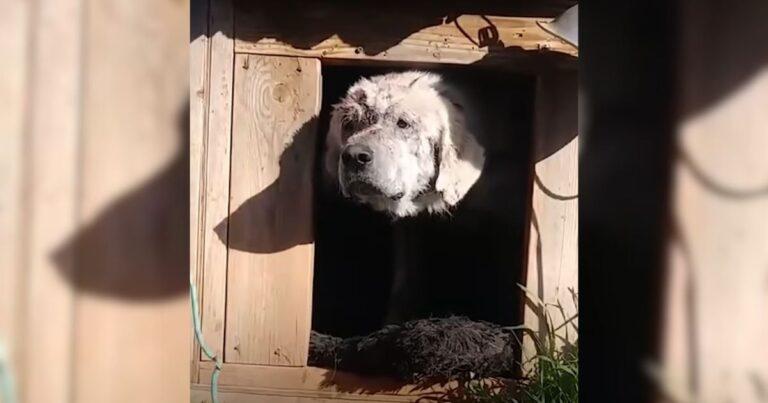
column 461, row 157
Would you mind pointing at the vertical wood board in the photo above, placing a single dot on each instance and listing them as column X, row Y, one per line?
column 552, row 273
column 199, row 70
column 719, row 253
column 271, row 252
column 53, row 152
column 131, row 253
column 215, row 181
column 14, row 17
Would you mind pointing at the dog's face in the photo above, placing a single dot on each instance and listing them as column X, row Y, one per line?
column 398, row 143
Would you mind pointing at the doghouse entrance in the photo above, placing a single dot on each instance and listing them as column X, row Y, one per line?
column 469, row 262
column 272, row 254
column 299, row 257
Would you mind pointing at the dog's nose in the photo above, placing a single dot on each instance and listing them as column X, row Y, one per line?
column 357, row 156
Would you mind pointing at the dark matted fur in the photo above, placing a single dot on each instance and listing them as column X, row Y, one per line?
column 452, row 348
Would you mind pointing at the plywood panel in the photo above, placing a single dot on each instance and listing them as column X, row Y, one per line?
column 552, row 273
column 215, row 181
column 270, row 226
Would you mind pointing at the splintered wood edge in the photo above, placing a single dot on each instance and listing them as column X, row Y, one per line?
column 445, row 43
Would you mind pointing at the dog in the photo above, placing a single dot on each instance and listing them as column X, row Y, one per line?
column 400, row 143
column 420, row 213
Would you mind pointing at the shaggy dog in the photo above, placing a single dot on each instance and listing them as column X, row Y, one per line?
column 400, row 146
column 409, row 144
column 400, row 143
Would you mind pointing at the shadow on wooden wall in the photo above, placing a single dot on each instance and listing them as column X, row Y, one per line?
column 137, row 248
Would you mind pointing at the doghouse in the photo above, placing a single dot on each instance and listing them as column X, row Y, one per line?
column 257, row 72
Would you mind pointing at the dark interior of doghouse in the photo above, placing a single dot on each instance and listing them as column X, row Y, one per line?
column 470, row 261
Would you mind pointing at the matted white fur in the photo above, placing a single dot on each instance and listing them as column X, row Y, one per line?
column 423, row 156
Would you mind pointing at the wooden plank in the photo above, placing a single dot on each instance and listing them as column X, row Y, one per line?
column 320, row 382
column 201, row 394
column 215, row 182
column 199, row 70
column 50, row 202
column 468, row 39
column 14, row 16
column 552, row 273
column 716, row 299
column 132, row 308
column 271, row 258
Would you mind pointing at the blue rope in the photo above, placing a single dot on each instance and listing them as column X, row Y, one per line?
column 206, row 349
column 7, row 392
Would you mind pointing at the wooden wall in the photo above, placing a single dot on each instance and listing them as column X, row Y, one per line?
column 552, row 271
column 94, row 207
column 255, row 94
column 13, row 73
column 717, row 285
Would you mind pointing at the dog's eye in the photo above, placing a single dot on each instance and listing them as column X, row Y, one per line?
column 401, row 123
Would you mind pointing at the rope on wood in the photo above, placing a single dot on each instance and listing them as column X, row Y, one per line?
column 201, row 341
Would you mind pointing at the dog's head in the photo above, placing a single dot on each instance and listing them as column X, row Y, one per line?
column 399, row 143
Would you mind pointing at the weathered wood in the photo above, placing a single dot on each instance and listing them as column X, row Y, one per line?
column 202, row 394
column 465, row 40
column 132, row 199
column 78, row 164
column 14, row 17
column 199, row 74
column 269, row 229
column 215, row 185
column 50, row 202
column 717, row 283
column 552, row 273
column 320, row 383
column 271, row 246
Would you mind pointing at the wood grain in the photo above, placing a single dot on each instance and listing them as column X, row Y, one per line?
column 469, row 39
column 717, row 281
column 131, row 309
column 199, row 74
column 215, row 184
column 201, row 394
column 552, row 273
column 51, row 200
column 320, row 383
column 87, row 153
column 271, row 246
column 14, row 16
